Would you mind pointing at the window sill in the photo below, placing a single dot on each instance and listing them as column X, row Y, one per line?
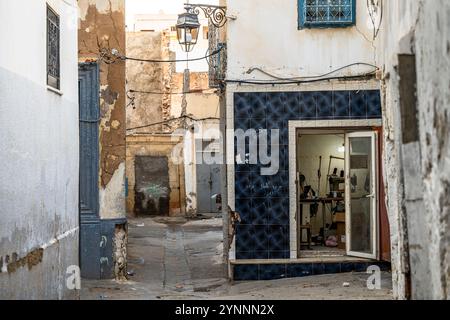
column 58, row 92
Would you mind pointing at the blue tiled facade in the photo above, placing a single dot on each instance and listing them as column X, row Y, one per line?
column 250, row 272
column 263, row 201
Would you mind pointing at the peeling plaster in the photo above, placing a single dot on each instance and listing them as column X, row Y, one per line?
column 112, row 204
column 102, row 26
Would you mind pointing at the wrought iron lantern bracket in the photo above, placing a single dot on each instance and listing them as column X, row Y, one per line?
column 217, row 15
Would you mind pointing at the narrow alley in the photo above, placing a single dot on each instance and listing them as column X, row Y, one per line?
column 173, row 258
column 165, row 150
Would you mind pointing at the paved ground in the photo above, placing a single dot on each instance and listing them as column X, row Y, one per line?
column 171, row 258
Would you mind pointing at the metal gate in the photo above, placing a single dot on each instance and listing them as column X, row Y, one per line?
column 152, row 189
column 208, row 180
column 89, row 167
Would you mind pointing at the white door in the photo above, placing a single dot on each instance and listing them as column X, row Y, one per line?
column 361, row 195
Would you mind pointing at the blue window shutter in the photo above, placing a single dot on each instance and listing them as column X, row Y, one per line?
column 326, row 13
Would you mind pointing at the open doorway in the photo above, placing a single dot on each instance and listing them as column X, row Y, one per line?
column 337, row 193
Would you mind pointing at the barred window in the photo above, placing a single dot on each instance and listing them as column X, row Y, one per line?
column 53, row 48
column 326, row 13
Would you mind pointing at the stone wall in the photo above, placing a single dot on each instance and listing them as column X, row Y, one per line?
column 413, row 50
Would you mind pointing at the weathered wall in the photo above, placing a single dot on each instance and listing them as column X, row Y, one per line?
column 39, row 154
column 266, row 35
column 147, row 77
column 102, row 26
column 164, row 102
column 417, row 169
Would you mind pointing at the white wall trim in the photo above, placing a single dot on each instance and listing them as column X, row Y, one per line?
column 310, row 124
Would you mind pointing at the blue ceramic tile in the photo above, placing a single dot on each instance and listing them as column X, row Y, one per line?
column 261, row 238
column 318, row 268
column 331, row 268
column 358, row 106
column 245, row 255
column 276, row 107
column 385, row 266
column 272, row 271
column 244, row 208
column 341, row 104
column 324, row 101
column 258, row 124
column 278, row 237
column 259, row 185
column 308, row 106
column 242, row 109
column 243, row 185
column 245, row 272
column 360, row 266
column 243, row 124
column 264, row 233
column 292, row 103
column 279, row 254
column 279, row 211
column 347, row 267
column 245, row 168
column 354, row 266
column 261, row 254
column 282, row 125
column 245, row 237
column 257, row 102
column 274, row 185
column 373, row 104
column 299, row 270
column 259, row 211
column 283, row 158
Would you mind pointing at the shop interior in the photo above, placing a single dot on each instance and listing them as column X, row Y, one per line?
column 321, row 193
column 322, row 183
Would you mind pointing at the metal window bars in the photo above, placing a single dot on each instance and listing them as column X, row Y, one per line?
column 323, row 13
column 53, row 49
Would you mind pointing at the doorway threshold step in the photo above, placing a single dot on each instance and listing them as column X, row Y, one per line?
column 254, row 270
column 315, row 259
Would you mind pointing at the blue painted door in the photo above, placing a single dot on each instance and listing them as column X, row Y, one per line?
column 89, row 168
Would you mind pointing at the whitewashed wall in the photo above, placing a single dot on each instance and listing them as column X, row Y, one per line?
column 265, row 34
column 38, row 151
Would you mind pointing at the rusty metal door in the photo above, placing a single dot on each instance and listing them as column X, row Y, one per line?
column 208, row 180
column 152, row 188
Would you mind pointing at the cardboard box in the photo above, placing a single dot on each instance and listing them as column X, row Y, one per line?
column 339, row 217
column 340, row 235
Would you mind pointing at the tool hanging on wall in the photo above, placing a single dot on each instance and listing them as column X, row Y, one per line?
column 319, row 175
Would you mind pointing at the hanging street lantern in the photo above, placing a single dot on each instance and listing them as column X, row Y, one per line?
column 187, row 29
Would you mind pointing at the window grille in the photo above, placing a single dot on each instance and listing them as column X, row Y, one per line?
column 326, row 13
column 53, row 49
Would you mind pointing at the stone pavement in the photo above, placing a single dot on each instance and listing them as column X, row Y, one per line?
column 172, row 258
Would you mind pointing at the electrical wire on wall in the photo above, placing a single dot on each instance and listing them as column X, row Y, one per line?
column 112, row 56
column 200, row 91
column 373, row 6
column 131, row 94
column 185, row 117
column 309, row 79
